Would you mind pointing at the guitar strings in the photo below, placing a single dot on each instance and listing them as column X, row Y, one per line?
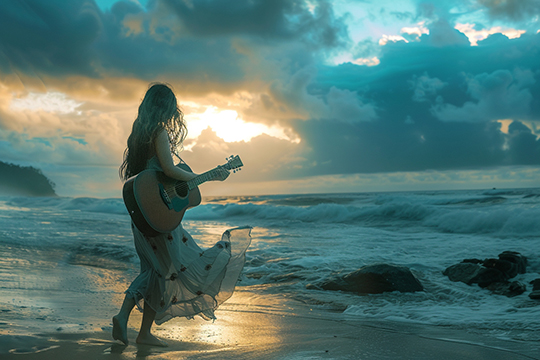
column 175, row 188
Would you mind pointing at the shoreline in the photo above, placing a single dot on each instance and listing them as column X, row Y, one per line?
column 252, row 327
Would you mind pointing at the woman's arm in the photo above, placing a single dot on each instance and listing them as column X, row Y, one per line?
column 163, row 152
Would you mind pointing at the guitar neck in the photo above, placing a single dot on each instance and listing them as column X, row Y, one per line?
column 233, row 162
column 202, row 178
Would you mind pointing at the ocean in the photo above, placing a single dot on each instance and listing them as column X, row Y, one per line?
column 83, row 249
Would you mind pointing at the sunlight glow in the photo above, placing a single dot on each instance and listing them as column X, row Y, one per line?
column 532, row 125
column 372, row 61
column 54, row 102
column 347, row 57
column 394, row 38
column 505, row 123
column 478, row 35
column 418, row 30
column 228, row 126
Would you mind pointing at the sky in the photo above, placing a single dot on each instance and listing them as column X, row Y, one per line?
column 314, row 96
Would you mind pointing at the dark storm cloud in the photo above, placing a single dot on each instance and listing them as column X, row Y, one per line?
column 50, row 37
column 499, row 95
column 515, row 10
column 276, row 19
column 170, row 38
column 384, row 147
column 437, row 103
column 524, row 147
column 59, row 38
column 159, row 52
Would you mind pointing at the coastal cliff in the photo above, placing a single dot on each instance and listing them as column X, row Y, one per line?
column 24, row 180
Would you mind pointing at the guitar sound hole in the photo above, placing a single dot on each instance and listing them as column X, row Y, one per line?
column 181, row 189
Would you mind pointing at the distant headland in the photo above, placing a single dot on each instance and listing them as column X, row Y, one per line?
column 24, row 180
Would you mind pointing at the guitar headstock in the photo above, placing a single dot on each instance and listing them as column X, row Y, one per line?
column 233, row 163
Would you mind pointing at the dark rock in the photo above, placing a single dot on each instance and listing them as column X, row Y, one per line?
column 535, row 294
column 474, row 274
column 507, row 288
column 488, row 276
column 473, row 261
column 374, row 279
column 510, row 269
column 514, row 257
column 463, row 272
column 488, row 271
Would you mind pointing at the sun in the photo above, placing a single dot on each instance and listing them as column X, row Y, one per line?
column 229, row 127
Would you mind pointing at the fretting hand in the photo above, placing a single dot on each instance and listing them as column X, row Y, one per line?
column 221, row 173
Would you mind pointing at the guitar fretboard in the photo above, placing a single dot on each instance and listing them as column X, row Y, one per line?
column 204, row 177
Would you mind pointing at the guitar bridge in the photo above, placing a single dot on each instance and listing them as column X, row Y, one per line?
column 165, row 197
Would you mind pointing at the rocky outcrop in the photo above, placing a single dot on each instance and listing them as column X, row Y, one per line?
column 24, row 180
column 373, row 279
column 507, row 288
column 492, row 274
column 535, row 294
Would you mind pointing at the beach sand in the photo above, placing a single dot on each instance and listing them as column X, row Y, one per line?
column 37, row 324
column 55, row 309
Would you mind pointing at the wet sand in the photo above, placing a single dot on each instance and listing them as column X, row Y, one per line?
column 248, row 327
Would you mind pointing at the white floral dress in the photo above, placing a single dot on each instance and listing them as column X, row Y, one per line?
column 179, row 279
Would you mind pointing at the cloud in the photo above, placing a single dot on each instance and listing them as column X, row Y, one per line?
column 208, row 46
column 523, row 145
column 345, row 105
column 56, row 129
column 436, row 103
column 478, row 35
column 391, row 38
column 49, row 102
column 498, row 95
column 415, row 31
column 442, row 33
column 333, row 104
column 424, row 86
column 390, row 146
column 52, row 37
column 278, row 19
column 515, row 10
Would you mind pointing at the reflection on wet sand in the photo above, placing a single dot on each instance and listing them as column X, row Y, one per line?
column 240, row 326
column 252, row 328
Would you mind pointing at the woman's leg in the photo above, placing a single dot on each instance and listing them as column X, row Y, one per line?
column 145, row 336
column 120, row 321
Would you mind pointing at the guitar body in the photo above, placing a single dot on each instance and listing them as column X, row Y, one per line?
column 157, row 203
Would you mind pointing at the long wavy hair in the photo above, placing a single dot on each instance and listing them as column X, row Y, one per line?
column 158, row 111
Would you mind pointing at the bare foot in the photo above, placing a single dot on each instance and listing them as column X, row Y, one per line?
column 149, row 339
column 119, row 330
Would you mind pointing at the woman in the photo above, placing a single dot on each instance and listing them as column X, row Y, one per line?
column 177, row 279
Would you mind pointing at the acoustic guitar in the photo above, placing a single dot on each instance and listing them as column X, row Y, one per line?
column 157, row 203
